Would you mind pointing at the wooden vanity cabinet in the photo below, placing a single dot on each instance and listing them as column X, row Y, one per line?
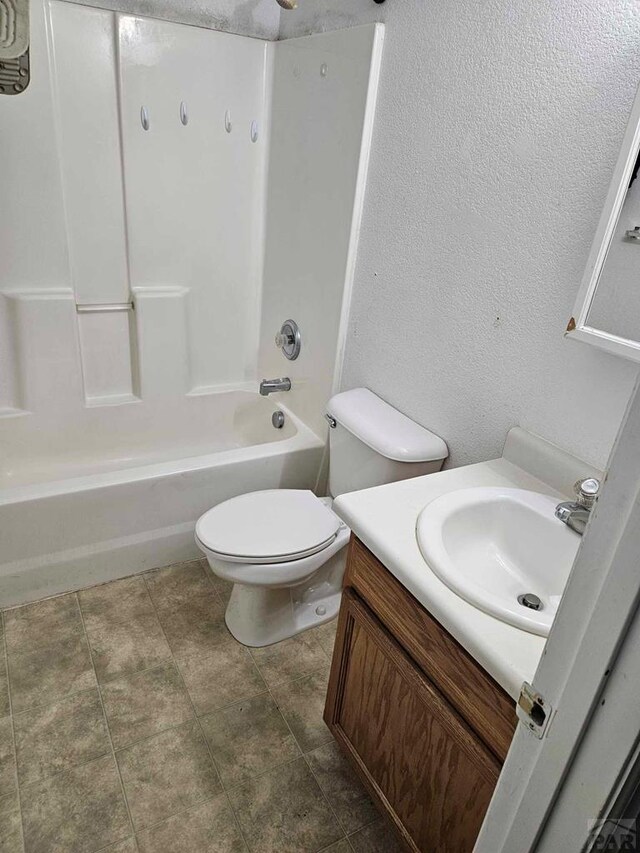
column 424, row 725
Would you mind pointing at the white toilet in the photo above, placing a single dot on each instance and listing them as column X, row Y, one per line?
column 284, row 549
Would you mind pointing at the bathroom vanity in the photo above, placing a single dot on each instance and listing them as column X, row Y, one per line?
column 424, row 684
column 424, row 725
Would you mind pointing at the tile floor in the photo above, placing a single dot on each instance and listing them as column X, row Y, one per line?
column 131, row 720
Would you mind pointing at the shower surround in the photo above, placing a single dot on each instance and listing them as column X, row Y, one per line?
column 178, row 193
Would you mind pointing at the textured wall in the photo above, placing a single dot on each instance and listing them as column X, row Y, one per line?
column 258, row 18
column 497, row 129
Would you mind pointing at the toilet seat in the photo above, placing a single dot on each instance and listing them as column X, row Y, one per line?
column 271, row 526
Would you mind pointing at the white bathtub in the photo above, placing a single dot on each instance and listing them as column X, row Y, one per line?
column 119, row 489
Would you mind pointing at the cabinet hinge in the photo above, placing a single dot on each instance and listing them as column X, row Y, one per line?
column 533, row 710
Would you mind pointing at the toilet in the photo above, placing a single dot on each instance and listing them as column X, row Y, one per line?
column 285, row 550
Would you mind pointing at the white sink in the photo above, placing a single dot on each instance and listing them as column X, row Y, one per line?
column 492, row 545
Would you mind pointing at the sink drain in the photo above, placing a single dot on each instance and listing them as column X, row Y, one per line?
column 528, row 599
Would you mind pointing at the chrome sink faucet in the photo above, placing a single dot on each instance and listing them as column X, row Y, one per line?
column 575, row 514
column 269, row 386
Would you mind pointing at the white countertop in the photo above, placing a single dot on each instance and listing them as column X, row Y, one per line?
column 384, row 518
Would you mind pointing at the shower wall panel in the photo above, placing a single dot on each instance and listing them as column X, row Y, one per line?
column 324, row 94
column 195, row 190
column 83, row 56
column 100, row 213
column 134, row 177
column 33, row 246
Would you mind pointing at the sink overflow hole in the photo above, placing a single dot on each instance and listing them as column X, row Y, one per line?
column 528, row 599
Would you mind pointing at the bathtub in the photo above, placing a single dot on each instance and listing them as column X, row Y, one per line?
column 117, row 490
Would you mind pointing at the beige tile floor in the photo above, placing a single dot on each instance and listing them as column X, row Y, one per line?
column 131, row 720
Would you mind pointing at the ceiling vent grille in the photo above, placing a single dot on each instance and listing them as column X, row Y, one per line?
column 14, row 46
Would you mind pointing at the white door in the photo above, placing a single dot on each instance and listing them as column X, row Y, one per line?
column 551, row 789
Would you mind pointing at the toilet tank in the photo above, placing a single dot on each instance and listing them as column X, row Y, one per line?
column 372, row 443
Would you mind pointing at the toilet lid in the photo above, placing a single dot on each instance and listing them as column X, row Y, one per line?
column 270, row 526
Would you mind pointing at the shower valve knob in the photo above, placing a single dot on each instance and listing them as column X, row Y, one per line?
column 283, row 340
column 288, row 340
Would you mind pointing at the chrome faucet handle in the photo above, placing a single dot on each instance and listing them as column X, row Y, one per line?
column 288, row 340
column 283, row 340
column 587, row 491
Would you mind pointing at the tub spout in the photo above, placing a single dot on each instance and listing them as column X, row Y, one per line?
column 269, row 386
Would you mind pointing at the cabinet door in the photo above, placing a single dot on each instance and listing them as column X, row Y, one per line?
column 420, row 761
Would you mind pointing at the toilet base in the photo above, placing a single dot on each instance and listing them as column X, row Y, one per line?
column 260, row 616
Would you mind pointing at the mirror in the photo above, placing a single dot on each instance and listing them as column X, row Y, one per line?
column 607, row 311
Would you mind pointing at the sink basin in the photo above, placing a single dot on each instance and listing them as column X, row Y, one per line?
column 494, row 545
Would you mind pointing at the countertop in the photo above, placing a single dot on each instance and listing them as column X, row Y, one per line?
column 384, row 518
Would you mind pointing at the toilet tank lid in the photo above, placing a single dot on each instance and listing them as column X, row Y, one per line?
column 385, row 429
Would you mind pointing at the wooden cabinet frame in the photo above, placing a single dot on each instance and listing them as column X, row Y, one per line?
column 411, row 731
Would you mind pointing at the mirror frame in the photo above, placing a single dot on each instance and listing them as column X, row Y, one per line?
column 578, row 328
